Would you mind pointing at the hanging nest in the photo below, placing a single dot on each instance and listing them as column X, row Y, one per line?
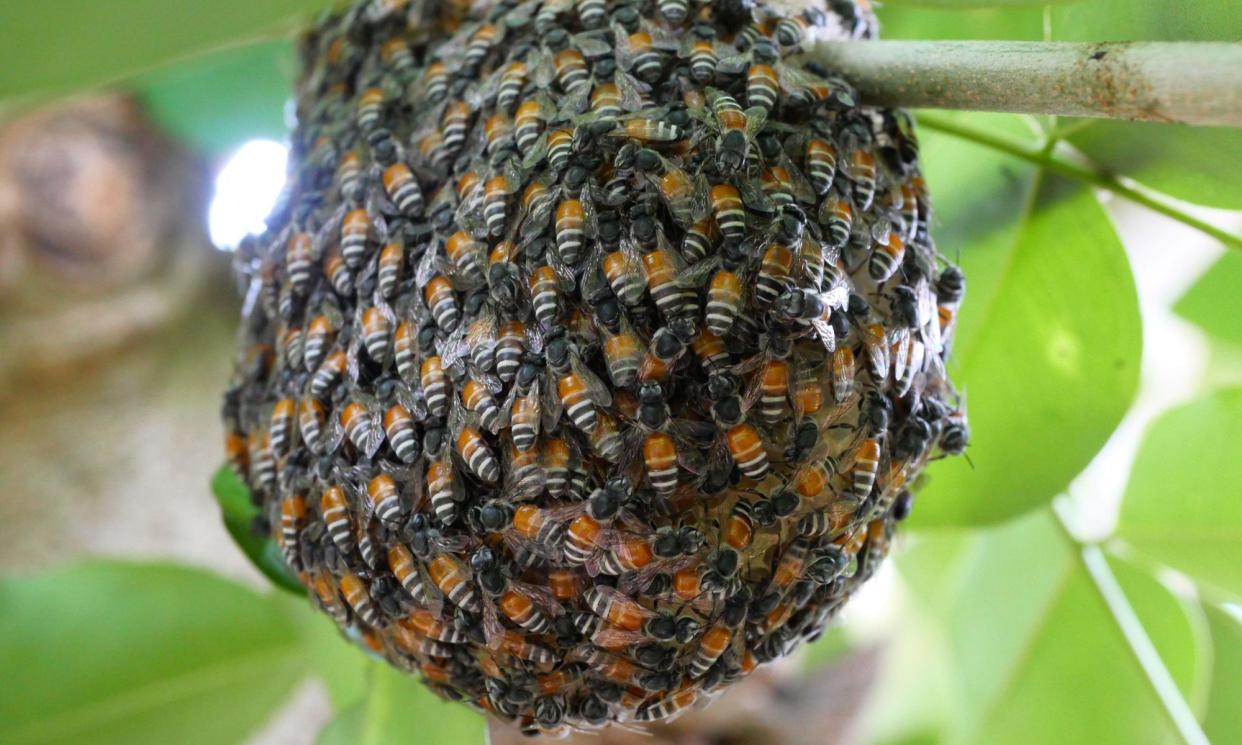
column 591, row 354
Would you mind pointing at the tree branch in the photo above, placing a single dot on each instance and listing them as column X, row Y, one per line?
column 1183, row 82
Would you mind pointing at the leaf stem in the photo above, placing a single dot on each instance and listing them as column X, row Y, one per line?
column 1173, row 703
column 1186, row 82
column 1078, row 171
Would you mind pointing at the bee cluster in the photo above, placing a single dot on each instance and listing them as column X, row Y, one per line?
column 591, row 355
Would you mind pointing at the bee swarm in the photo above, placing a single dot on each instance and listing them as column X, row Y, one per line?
column 592, row 352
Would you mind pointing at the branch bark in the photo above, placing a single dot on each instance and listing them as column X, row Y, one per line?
column 1196, row 83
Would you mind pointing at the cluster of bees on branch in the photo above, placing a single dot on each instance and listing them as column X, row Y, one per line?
column 591, row 354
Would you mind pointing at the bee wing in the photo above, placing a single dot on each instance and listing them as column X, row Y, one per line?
column 552, row 407
column 596, row 389
column 403, row 474
column 525, row 490
column 563, row 513
column 414, row 403
column 611, row 637
column 734, row 64
column 756, row 117
column 431, row 592
column 697, row 274
column 574, row 104
column 334, row 434
column 537, row 217
column 900, row 342
column 754, row 197
column 493, row 631
column 542, row 71
column 375, row 436
column 518, row 544
column 618, row 599
column 540, row 596
column 803, row 191
column 639, row 581
column 625, row 51
column 327, row 233
column 454, row 349
column 631, row 90
column 429, row 265
column 482, row 332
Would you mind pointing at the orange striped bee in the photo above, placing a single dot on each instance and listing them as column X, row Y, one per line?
column 391, row 260
column 355, row 233
column 737, row 130
column 512, row 81
column 570, row 230
column 887, row 257
column 763, row 87
column 377, row 327
column 726, row 204
column 280, row 428
column 472, row 447
column 443, row 488
column 403, row 189
column 292, row 520
column 334, row 509
column 358, row 595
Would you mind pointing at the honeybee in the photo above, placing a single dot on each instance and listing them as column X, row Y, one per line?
column 470, row 444
column 376, row 329
column 280, row 427
column 292, row 521
column 570, row 230
column 736, row 130
column 588, row 534
column 860, row 170
column 702, row 54
column 391, row 262
column 403, row 190
column 742, row 440
column 700, row 239
column 545, row 291
column 645, row 127
column 579, row 391
column 358, row 595
column 667, row 705
column 686, row 198
column 526, row 605
column 615, row 668
column 623, row 350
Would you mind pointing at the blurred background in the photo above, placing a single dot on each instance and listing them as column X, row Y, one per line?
column 1079, row 581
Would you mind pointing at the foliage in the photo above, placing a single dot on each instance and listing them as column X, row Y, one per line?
column 1038, row 635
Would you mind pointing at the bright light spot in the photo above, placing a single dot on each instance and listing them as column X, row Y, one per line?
column 246, row 191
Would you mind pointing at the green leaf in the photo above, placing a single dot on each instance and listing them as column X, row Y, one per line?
column 1150, row 20
column 1211, row 303
column 1177, row 627
column 113, row 652
column 1223, row 721
column 1048, row 352
column 219, row 101
column 1181, row 507
column 399, row 710
column 342, row 665
column 923, row 23
column 84, row 43
column 1195, row 164
column 970, row 4
column 238, row 514
column 979, row 195
column 1041, row 658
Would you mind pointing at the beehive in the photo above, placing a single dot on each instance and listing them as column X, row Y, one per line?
column 590, row 356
